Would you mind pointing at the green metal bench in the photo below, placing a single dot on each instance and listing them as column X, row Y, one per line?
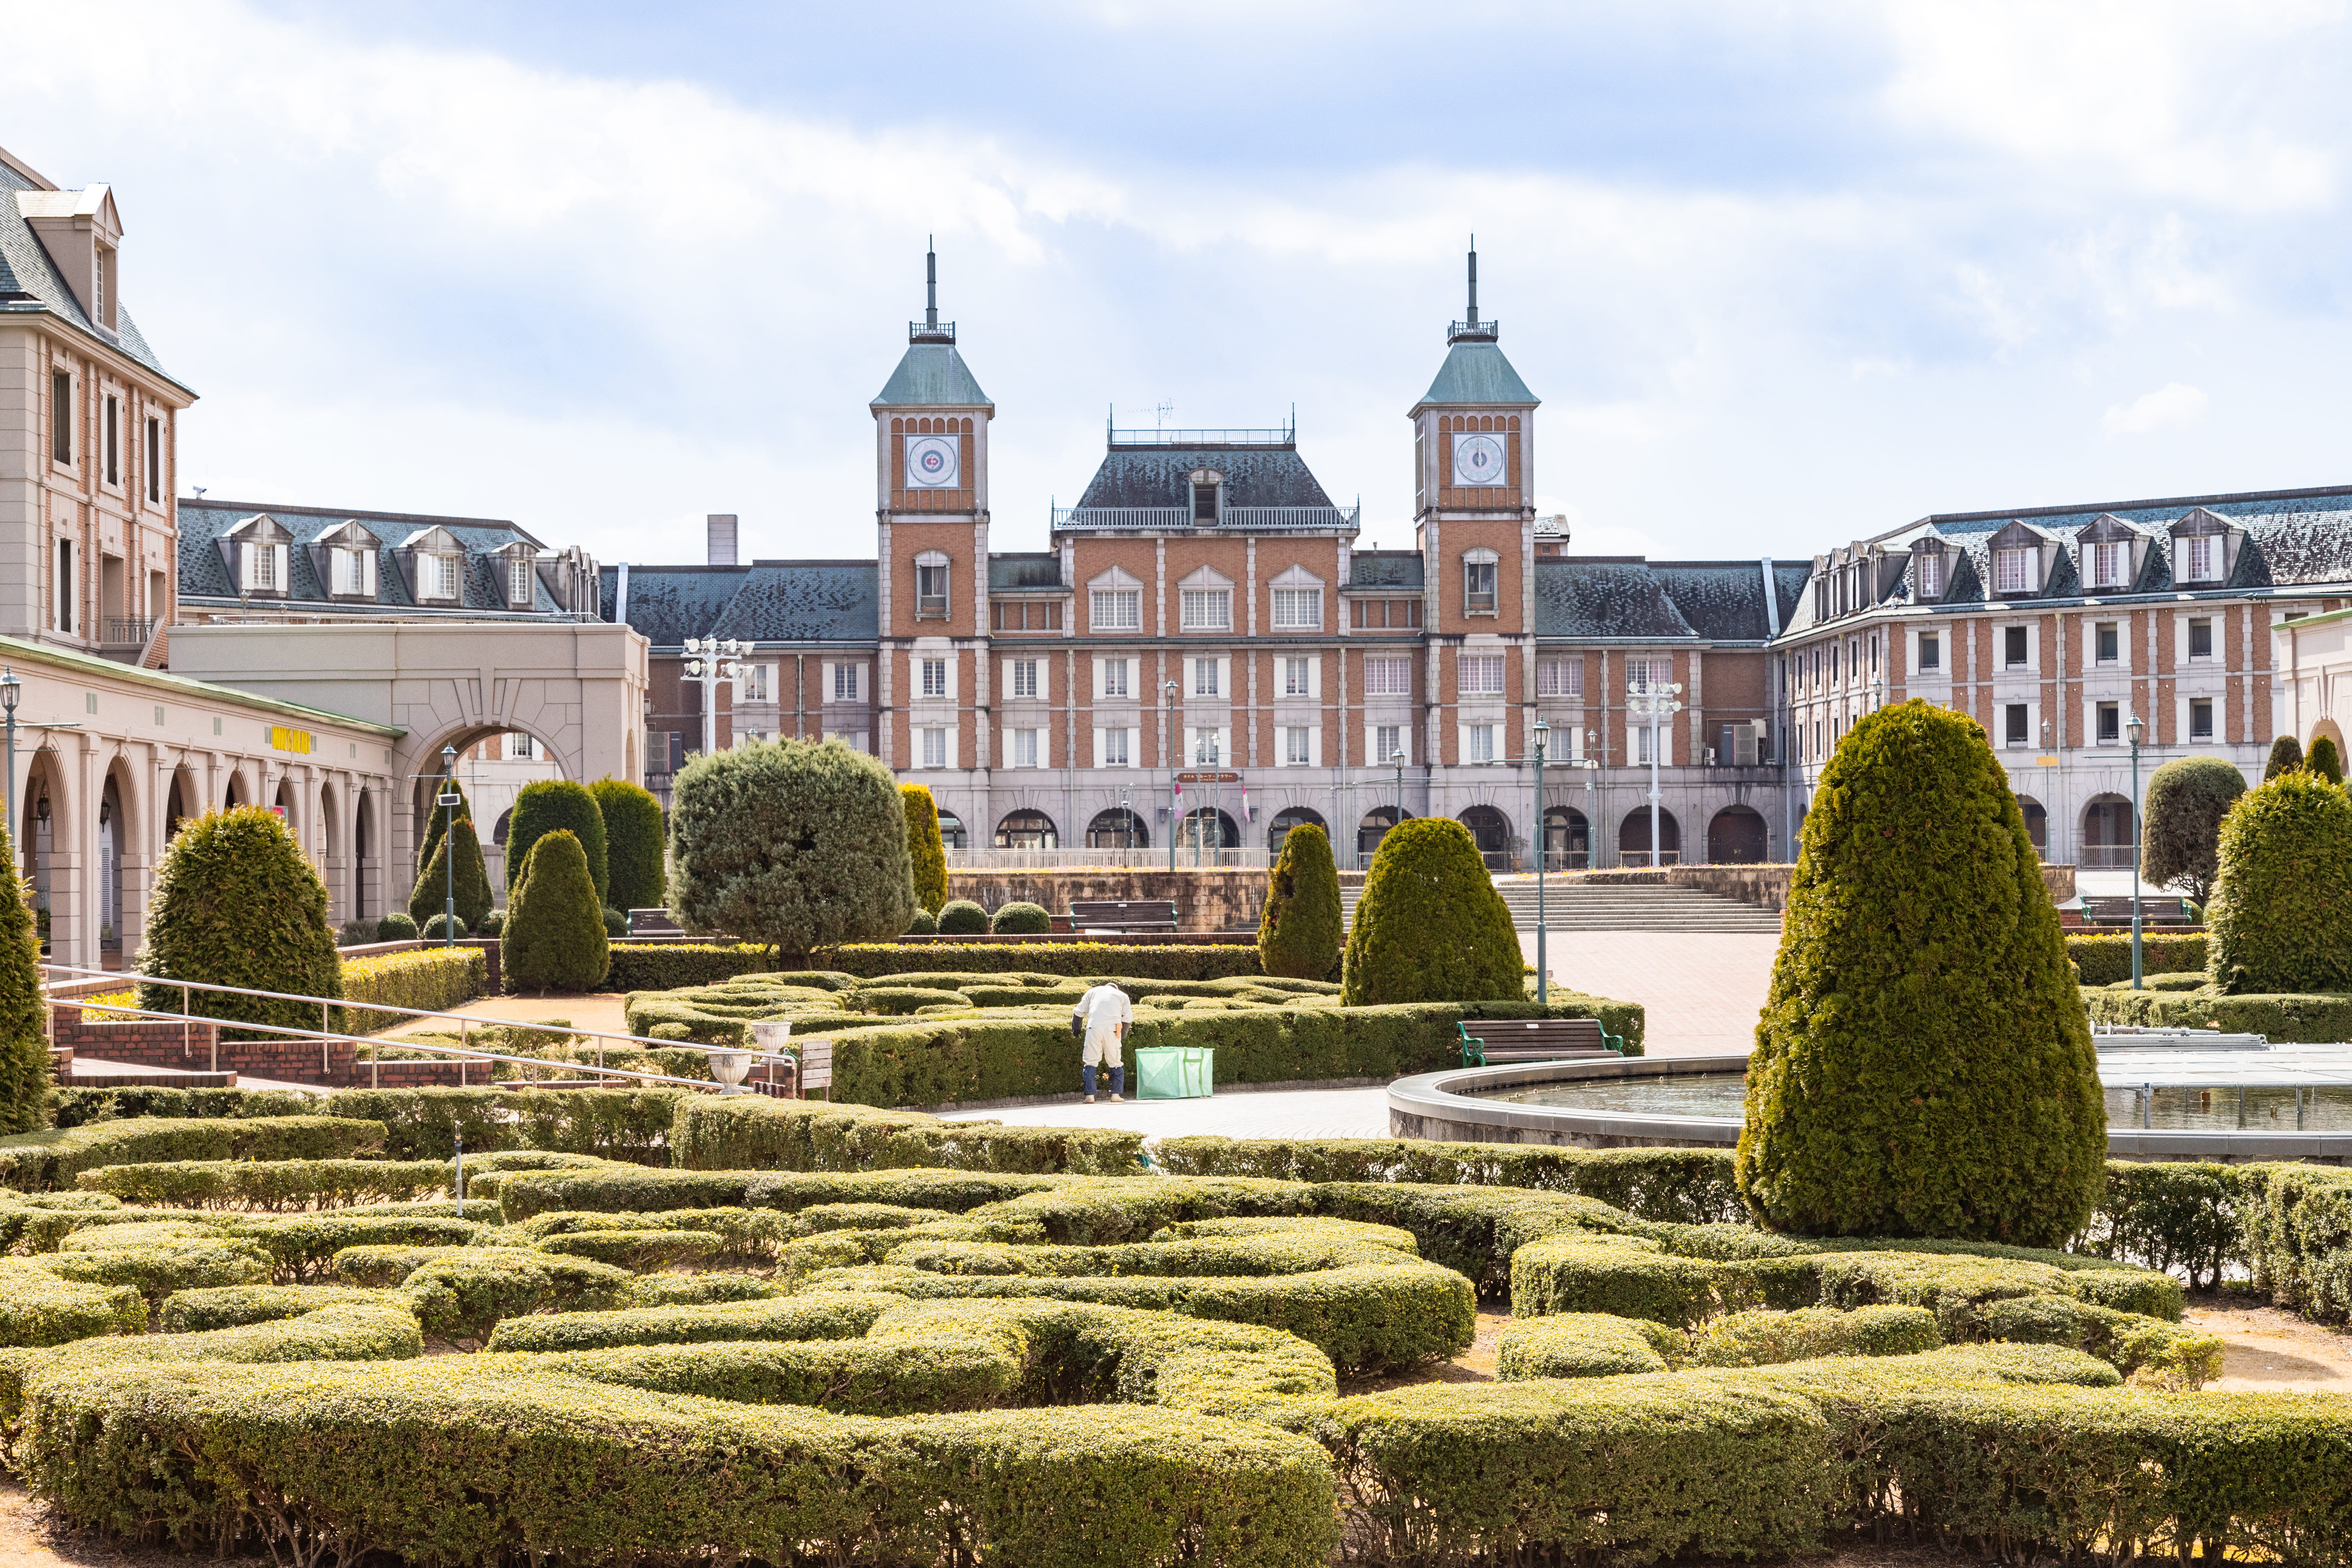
column 1536, row 1040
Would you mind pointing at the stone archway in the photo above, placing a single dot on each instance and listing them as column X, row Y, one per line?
column 1736, row 838
column 1633, row 839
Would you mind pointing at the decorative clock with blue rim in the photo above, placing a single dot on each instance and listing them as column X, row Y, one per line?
column 1478, row 461
column 934, row 461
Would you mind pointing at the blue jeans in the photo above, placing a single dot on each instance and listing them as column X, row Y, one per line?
column 1118, row 1078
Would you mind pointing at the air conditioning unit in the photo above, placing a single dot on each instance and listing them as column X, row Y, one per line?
column 1740, row 742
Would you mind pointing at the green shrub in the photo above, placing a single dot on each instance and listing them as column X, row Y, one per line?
column 2323, row 1017
column 1203, row 961
column 922, row 922
column 284, row 1184
column 2324, row 761
column 395, row 926
column 2298, row 1233
column 155, row 1267
column 666, row 966
column 556, row 805
column 2186, row 799
column 2104, row 960
column 1876, row 1103
column 755, row 1133
column 1300, row 932
column 793, row 846
column 926, row 854
column 434, row 885
column 2278, row 921
column 631, row 1124
column 1691, row 1186
column 2178, row 1218
column 639, row 1251
column 236, row 904
column 424, row 978
column 25, row 1075
column 302, row 1246
column 827, row 1315
column 75, row 1107
column 1762, row 1337
column 554, row 939
column 237, row 1306
column 694, row 1290
column 615, row 923
column 1583, row 1344
column 441, row 929
column 1430, row 926
column 1020, row 920
column 492, row 923
column 42, row 1162
column 39, row 1308
column 618, row 1189
column 463, row 1294
column 961, row 917
column 2286, row 757
column 635, row 845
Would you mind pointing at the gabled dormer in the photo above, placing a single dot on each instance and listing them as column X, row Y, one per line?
column 1930, row 572
column 344, row 559
column 2023, row 561
column 519, row 576
column 432, row 565
column 2205, row 546
column 259, row 552
column 83, row 234
column 2110, row 555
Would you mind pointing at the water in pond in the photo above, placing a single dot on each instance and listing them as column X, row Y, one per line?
column 2326, row 1107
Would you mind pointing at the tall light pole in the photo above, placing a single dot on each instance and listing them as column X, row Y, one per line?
column 1543, row 970
column 2134, row 725
column 1175, row 756
column 1654, row 703
column 710, row 660
column 448, row 804
column 11, row 689
column 1398, row 757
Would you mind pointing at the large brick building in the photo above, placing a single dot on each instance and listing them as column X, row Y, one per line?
column 1203, row 610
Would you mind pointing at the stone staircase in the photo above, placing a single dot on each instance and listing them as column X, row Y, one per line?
column 1571, row 905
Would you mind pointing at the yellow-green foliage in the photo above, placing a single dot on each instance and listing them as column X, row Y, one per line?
column 236, row 903
column 1922, row 1067
column 2281, row 918
column 24, row 1076
column 1430, row 926
column 554, row 938
column 471, row 883
column 433, row 980
column 926, row 851
column 1299, row 933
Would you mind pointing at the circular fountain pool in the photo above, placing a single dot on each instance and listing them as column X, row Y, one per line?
column 2168, row 1097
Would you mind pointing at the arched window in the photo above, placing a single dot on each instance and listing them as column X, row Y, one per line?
column 1286, row 819
column 1118, row 828
column 951, row 830
column 1205, row 827
column 1027, row 830
column 1736, row 838
column 1374, row 828
column 1568, row 839
column 2037, row 823
column 1492, row 829
column 1633, row 839
column 2108, row 834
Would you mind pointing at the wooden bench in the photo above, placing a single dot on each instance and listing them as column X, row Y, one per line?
column 653, row 922
column 1536, row 1040
column 2108, row 909
column 1124, row 915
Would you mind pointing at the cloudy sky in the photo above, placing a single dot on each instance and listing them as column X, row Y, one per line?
column 1784, row 275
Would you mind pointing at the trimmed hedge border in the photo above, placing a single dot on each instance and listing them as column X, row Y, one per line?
column 2104, row 959
column 42, row 1162
column 2289, row 1018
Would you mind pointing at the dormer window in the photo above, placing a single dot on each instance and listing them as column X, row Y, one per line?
column 1206, row 484
column 2014, row 571
column 98, row 292
column 2111, row 565
column 2204, row 558
column 257, row 553
column 439, row 573
column 354, row 570
column 262, row 568
column 519, row 582
column 1928, row 574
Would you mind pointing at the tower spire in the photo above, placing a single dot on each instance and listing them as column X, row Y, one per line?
column 931, row 329
column 931, row 282
column 1474, row 281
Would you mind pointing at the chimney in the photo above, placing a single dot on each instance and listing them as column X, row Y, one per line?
column 722, row 538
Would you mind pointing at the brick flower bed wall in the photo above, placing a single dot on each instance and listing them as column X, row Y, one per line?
column 339, row 1065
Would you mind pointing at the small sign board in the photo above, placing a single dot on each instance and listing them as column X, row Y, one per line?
column 1208, row 778
column 2045, row 761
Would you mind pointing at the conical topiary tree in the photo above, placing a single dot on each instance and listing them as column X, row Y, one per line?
column 1922, row 1067
column 926, row 853
column 24, row 1050
column 2286, row 755
column 2324, row 760
column 545, row 806
column 793, row 845
column 554, row 936
column 2186, row 799
column 1299, row 935
column 1430, row 926
column 2280, row 915
column 437, row 819
column 635, row 845
column 236, row 904
column 426, row 900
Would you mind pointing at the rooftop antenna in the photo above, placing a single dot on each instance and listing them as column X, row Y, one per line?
column 1473, row 280
column 1160, row 414
column 931, row 283
column 199, row 489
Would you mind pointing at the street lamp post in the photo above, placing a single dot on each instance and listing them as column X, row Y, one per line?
column 2135, row 725
column 448, row 804
column 11, row 689
column 1654, row 703
column 1543, row 970
column 1398, row 758
column 1175, row 755
column 711, row 661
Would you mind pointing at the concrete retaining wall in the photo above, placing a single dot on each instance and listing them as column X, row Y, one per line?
column 1205, row 900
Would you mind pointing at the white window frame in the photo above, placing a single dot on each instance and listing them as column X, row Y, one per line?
column 1560, row 677
column 1389, row 739
column 1388, row 676
column 1298, row 609
column 843, row 682
column 520, row 581
column 931, row 673
column 2204, row 558
column 756, row 684
column 1299, row 746
column 1930, row 573
column 1023, row 680
column 264, row 567
column 1481, row 668
column 1207, row 609
column 1112, row 677
column 1204, row 737
column 937, row 751
column 1115, row 747
column 1025, row 749
column 2190, row 719
column 1477, row 564
column 2111, row 565
column 1298, row 675
column 2016, row 570
column 1477, row 743
column 1114, row 609
column 1208, row 677
column 932, row 567
column 1919, row 653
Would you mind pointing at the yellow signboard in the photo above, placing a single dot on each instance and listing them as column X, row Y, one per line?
column 284, row 740
column 2045, row 761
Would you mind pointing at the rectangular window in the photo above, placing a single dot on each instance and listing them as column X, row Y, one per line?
column 1295, row 681
column 1024, row 748
column 2111, row 723
column 1114, row 678
column 1560, row 677
column 62, row 417
column 2013, row 645
column 2013, row 731
column 2013, row 569
column 1024, row 677
column 155, row 461
column 2200, row 639
column 935, row 747
column 1642, row 673
column 2204, row 558
column 1388, row 678
column 756, row 684
column 1931, row 651
column 1387, row 740
column 1930, row 573
column 1113, row 749
column 1298, row 608
column 1642, row 747
column 1481, row 738
column 931, row 589
column 845, row 682
column 1297, row 749
column 934, row 677
column 1206, row 749
column 113, row 441
column 1478, row 588
column 1208, row 609
column 2200, row 717
column 1482, row 675
column 440, row 576
column 1204, row 678
column 261, row 568
column 2109, row 564
column 65, row 585
column 2105, row 641
column 1118, row 609
column 519, row 576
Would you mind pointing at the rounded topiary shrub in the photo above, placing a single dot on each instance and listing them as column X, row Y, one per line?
column 794, row 845
column 2286, row 755
column 437, row 929
column 25, row 1075
column 236, row 903
column 2324, row 760
column 615, row 923
column 924, row 923
column 2186, row 799
column 1430, row 926
column 927, row 854
column 428, row 900
column 635, row 845
column 397, row 926
column 1299, row 933
column 1021, row 920
column 961, row 917
column 492, row 923
column 554, row 936
column 549, row 805
column 1922, row 1067
column 2280, row 915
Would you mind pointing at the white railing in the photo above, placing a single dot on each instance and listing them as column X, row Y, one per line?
column 1174, row 517
column 1292, row 516
column 1122, row 517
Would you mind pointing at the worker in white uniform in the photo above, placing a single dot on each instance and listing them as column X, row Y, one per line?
column 1106, row 1012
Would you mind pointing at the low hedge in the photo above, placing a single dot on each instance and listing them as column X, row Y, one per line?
column 42, row 1162
column 270, row 1183
column 2298, row 1230
column 462, row 1294
column 696, row 1289
column 630, row 1124
column 1583, row 1344
column 756, row 1132
column 2103, row 958
column 433, row 979
column 619, row 1190
column 38, row 1307
column 157, row 1265
column 639, row 1251
column 826, row 1315
column 1690, row 1185
column 302, row 1246
column 235, row 1306
column 666, row 965
column 1763, row 1338
column 2313, row 1018
column 75, row 1107
column 870, row 960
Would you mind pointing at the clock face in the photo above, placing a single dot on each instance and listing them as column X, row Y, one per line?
column 1478, row 461
column 933, row 461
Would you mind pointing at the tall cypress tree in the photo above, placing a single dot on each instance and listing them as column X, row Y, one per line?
column 24, row 1051
column 634, row 847
column 2286, row 755
column 1430, row 926
column 472, row 880
column 925, row 848
column 1922, row 1067
column 554, row 936
column 2324, row 760
column 1299, row 933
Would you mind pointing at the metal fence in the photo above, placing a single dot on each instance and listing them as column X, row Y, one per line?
column 1187, row 859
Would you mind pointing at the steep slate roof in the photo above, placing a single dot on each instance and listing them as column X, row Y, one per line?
column 1722, row 600
column 931, row 374
column 1156, row 476
column 204, row 575
column 768, row 601
column 1476, row 374
column 1384, row 569
column 1030, row 569
column 1609, row 596
column 30, row 283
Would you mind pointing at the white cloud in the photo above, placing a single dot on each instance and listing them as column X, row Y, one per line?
column 2168, row 408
